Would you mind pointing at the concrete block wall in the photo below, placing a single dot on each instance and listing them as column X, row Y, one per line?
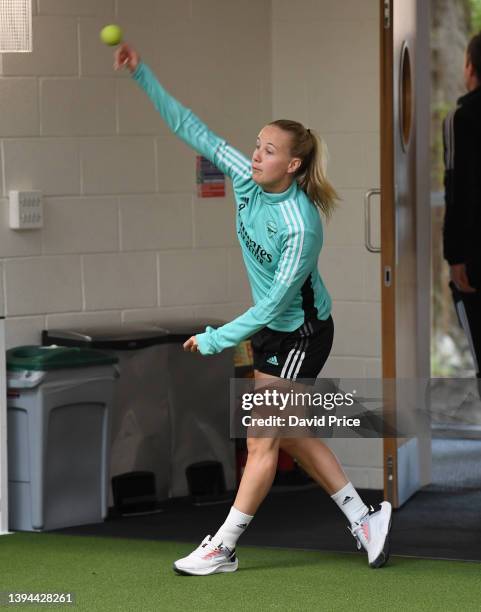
column 325, row 74
column 125, row 238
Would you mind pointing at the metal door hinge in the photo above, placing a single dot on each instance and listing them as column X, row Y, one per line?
column 387, row 14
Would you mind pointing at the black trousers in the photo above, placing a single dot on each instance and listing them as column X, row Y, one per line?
column 468, row 309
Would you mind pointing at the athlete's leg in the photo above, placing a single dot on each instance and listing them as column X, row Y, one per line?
column 258, row 475
column 318, row 460
column 260, row 468
column 369, row 526
column 217, row 554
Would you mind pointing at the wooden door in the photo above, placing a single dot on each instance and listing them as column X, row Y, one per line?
column 404, row 264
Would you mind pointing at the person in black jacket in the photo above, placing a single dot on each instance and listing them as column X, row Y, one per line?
column 462, row 221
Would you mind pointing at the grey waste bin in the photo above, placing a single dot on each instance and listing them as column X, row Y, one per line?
column 171, row 408
column 140, row 431
column 58, row 427
column 198, row 405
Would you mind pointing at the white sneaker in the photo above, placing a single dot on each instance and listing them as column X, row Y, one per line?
column 372, row 532
column 208, row 558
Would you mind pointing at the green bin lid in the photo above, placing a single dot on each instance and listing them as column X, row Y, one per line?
column 44, row 358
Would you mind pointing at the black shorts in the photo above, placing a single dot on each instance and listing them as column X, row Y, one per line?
column 292, row 355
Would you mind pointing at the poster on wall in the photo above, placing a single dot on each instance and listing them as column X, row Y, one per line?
column 210, row 180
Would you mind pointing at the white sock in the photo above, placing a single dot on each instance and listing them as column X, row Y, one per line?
column 235, row 525
column 350, row 503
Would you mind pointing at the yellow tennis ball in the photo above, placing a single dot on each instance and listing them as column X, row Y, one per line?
column 111, row 35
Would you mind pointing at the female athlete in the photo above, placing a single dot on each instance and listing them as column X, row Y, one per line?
column 279, row 193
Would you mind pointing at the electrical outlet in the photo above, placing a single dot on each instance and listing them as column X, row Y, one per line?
column 26, row 210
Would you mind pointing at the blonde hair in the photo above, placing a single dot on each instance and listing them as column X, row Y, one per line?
column 311, row 176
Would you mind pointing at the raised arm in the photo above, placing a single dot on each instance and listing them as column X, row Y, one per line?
column 182, row 121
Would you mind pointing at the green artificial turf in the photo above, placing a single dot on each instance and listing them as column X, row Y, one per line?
column 113, row 574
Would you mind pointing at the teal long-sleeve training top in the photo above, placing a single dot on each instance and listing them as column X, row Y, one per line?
column 280, row 234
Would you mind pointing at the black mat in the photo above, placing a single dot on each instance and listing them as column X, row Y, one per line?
column 432, row 524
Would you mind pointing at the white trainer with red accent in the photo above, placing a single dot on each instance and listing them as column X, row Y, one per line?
column 372, row 532
column 208, row 558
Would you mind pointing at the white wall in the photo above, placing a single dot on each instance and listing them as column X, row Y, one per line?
column 125, row 238
column 326, row 74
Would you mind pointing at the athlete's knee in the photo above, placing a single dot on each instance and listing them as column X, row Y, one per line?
column 262, row 445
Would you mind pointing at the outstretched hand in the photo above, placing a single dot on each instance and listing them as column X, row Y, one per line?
column 191, row 345
column 126, row 57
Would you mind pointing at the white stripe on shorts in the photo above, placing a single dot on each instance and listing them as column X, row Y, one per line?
column 286, row 364
column 301, row 353
column 296, row 355
column 301, row 359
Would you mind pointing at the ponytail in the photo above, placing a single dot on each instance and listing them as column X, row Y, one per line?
column 311, row 176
